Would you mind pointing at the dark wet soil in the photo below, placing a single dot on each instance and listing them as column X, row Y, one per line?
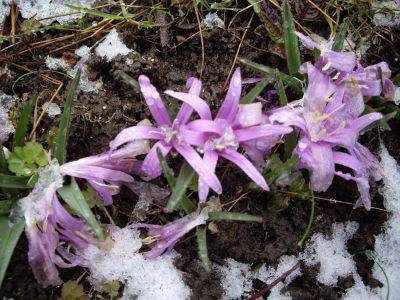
column 97, row 118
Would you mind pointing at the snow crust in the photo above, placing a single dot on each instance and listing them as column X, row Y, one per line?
column 112, row 46
column 52, row 109
column 85, row 84
column 387, row 12
column 4, row 9
column 48, row 11
column 6, row 127
column 155, row 279
column 212, row 20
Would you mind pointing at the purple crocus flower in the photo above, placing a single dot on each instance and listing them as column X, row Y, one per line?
column 234, row 125
column 106, row 172
column 329, row 59
column 168, row 235
column 325, row 126
column 55, row 237
column 168, row 133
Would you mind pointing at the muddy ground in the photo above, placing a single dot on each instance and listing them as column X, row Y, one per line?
column 97, row 118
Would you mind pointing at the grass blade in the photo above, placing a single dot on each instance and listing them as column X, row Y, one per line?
column 254, row 92
column 14, row 182
column 202, row 243
column 5, row 207
column 23, row 122
column 182, row 183
column 185, row 203
column 73, row 196
column 9, row 236
column 270, row 74
column 341, row 36
column 96, row 13
column 61, row 140
column 291, row 43
column 130, row 81
column 256, row 6
column 3, row 161
column 233, row 216
column 310, row 220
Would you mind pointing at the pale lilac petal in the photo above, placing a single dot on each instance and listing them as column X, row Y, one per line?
column 207, row 126
column 96, row 173
column 193, row 137
column 198, row 104
column 389, row 89
column 249, row 115
column 348, row 161
column 204, row 171
column 261, row 131
column 247, row 167
column 360, row 123
column 370, row 161
column 354, row 101
column 341, row 61
column 288, row 117
column 136, row 133
column 103, row 191
column 230, row 105
column 323, row 167
column 154, row 101
column 344, row 137
column 307, row 42
column 210, row 159
column 151, row 165
column 194, row 87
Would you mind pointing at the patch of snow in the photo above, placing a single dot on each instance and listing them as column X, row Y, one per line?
column 335, row 261
column 48, row 11
column 212, row 20
column 85, row 84
column 387, row 12
column 4, row 9
column 155, row 279
column 236, row 279
column 112, row 46
column 52, row 109
column 6, row 127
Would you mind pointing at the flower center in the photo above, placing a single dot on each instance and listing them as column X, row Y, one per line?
column 171, row 133
column 225, row 141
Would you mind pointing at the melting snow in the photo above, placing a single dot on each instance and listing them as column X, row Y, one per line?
column 6, row 103
column 155, row 279
column 112, row 46
column 52, row 109
column 4, row 9
column 48, row 11
column 85, row 84
column 387, row 12
column 213, row 20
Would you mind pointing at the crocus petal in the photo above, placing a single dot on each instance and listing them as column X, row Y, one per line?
column 354, row 102
column 103, row 191
column 288, row 117
column 210, row 159
column 249, row 115
column 194, row 87
column 207, row 126
column 151, row 165
column 198, row 104
column 344, row 137
column 370, row 161
column 96, row 173
column 204, row 171
column 230, row 105
column 247, row 167
column 360, row 123
column 389, row 89
column 154, row 101
column 136, row 133
column 323, row 172
column 341, row 61
column 348, row 161
column 308, row 42
column 193, row 137
column 255, row 132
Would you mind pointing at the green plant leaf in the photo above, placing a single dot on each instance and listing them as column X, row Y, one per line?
column 256, row 5
column 254, row 92
column 182, row 183
column 62, row 134
column 341, row 36
column 5, row 207
column 23, row 161
column 310, row 220
column 23, row 122
column 3, row 161
column 294, row 83
column 202, row 244
column 14, row 182
column 73, row 196
column 233, row 216
column 130, row 81
column 96, row 13
column 291, row 43
column 276, row 168
column 9, row 236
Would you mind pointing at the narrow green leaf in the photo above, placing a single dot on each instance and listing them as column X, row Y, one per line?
column 9, row 236
column 62, row 134
column 182, row 183
column 310, row 220
column 283, row 101
column 23, row 122
column 3, row 161
column 256, row 5
column 382, row 123
column 202, row 243
column 270, row 73
column 14, row 182
column 341, row 36
column 186, row 204
column 130, row 81
column 5, row 207
column 96, row 13
column 233, row 216
column 291, row 43
column 73, row 196
column 372, row 255
column 254, row 92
